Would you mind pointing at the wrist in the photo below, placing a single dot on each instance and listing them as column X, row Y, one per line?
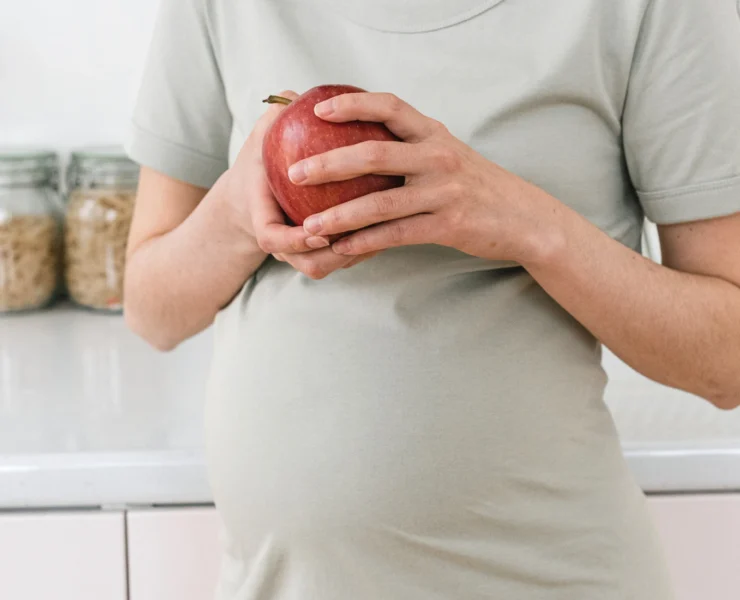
column 545, row 240
column 231, row 218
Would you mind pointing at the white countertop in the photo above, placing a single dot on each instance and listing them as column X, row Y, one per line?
column 89, row 415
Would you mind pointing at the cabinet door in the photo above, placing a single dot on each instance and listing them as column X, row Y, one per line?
column 701, row 535
column 62, row 556
column 173, row 554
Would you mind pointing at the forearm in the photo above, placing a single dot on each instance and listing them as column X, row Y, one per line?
column 679, row 329
column 177, row 282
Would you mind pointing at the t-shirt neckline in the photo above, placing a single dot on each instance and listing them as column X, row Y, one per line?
column 409, row 16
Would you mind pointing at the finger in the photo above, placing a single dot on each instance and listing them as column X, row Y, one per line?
column 359, row 259
column 375, row 208
column 318, row 264
column 273, row 235
column 380, row 158
column 279, row 257
column 277, row 238
column 410, row 231
column 401, row 118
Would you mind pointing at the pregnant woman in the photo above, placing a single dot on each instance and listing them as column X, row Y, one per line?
column 416, row 412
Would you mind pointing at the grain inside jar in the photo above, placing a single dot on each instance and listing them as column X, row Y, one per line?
column 102, row 192
column 30, row 229
column 97, row 228
column 29, row 261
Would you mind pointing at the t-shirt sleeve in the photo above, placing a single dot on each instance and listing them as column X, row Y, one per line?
column 681, row 122
column 182, row 123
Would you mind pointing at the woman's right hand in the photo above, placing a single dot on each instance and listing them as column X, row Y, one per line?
column 255, row 210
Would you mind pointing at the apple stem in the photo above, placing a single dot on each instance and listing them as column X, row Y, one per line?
column 277, row 100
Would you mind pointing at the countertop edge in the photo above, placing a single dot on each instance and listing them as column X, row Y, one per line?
column 103, row 480
column 665, row 470
column 176, row 478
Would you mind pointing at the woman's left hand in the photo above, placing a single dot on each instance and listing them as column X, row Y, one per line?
column 453, row 196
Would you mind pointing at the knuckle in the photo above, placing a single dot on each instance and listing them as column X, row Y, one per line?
column 318, row 165
column 395, row 104
column 330, row 218
column 314, row 270
column 333, row 218
column 375, row 153
column 265, row 243
column 386, row 202
column 437, row 127
column 454, row 189
column 396, row 232
column 348, row 101
column 445, row 159
column 296, row 244
column 410, row 195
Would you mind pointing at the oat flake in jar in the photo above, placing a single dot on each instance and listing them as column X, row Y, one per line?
column 102, row 188
column 30, row 229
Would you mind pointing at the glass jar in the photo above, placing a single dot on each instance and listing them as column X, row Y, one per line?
column 30, row 229
column 102, row 189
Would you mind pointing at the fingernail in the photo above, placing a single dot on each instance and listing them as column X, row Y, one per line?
column 341, row 247
column 313, row 224
column 317, row 242
column 297, row 172
column 324, row 109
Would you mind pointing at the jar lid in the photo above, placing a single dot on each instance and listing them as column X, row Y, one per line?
column 102, row 166
column 21, row 167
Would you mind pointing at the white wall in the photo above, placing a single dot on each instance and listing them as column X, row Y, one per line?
column 69, row 69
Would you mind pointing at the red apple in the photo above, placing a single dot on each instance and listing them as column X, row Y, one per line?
column 298, row 133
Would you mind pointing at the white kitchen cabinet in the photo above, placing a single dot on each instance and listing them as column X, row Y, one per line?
column 173, row 554
column 62, row 556
column 701, row 535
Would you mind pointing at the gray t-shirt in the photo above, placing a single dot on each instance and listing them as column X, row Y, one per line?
column 430, row 425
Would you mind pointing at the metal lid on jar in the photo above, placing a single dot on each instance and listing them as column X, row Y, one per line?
column 102, row 167
column 28, row 167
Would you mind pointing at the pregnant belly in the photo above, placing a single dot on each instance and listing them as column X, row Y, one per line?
column 391, row 435
column 415, row 424
column 347, row 403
